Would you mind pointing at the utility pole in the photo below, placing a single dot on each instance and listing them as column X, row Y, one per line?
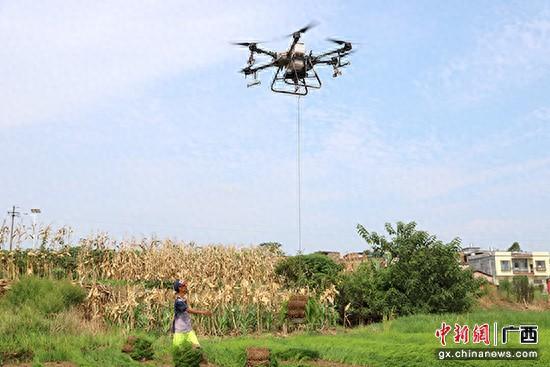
column 13, row 214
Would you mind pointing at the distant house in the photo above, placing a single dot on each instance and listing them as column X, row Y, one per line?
column 353, row 259
column 334, row 255
column 502, row 265
column 480, row 274
column 470, row 251
column 350, row 261
column 354, row 256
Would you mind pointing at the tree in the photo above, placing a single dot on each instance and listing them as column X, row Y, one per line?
column 515, row 247
column 274, row 247
column 361, row 299
column 314, row 271
column 423, row 273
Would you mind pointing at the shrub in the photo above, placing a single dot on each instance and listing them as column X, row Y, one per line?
column 186, row 356
column 505, row 287
column 313, row 271
column 523, row 291
column 361, row 298
column 44, row 295
column 143, row 349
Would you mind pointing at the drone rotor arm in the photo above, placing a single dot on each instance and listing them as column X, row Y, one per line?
column 321, row 62
column 253, row 47
column 335, row 52
column 253, row 70
column 258, row 50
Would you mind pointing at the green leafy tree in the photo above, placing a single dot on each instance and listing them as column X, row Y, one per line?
column 314, row 271
column 274, row 247
column 423, row 274
column 515, row 247
column 361, row 296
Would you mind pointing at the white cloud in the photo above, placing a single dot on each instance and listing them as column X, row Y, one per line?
column 513, row 54
column 378, row 163
column 59, row 57
column 542, row 114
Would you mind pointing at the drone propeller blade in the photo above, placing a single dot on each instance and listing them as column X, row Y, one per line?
column 305, row 29
column 342, row 42
column 346, row 45
column 247, row 44
column 338, row 42
column 244, row 44
column 348, row 53
column 308, row 27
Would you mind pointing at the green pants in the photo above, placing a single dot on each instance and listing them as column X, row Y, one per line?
column 188, row 337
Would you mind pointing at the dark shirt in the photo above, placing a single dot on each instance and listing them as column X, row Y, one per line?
column 182, row 319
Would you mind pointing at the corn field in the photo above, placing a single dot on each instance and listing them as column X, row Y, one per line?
column 129, row 282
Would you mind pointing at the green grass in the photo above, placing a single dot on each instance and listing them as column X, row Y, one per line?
column 408, row 341
column 37, row 323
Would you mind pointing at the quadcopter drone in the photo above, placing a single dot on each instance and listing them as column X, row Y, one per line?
column 295, row 68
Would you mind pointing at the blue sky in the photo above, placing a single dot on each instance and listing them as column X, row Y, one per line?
column 130, row 117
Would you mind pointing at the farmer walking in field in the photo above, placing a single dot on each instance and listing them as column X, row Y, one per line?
column 181, row 326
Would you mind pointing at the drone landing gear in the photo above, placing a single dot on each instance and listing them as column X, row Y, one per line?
column 292, row 83
column 254, row 82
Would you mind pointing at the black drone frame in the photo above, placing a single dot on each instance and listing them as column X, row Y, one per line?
column 300, row 85
column 291, row 82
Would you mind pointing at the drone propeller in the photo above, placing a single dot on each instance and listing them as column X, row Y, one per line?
column 247, row 44
column 346, row 53
column 337, row 41
column 304, row 29
column 244, row 44
column 252, row 47
column 342, row 42
column 308, row 27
